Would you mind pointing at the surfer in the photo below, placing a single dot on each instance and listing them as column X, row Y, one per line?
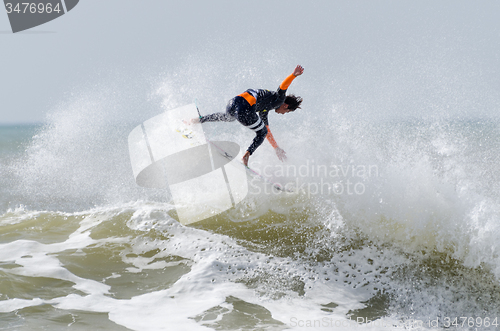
column 247, row 105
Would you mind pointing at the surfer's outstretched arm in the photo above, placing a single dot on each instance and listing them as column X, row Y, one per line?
column 260, row 134
column 260, row 129
column 290, row 104
column 299, row 70
column 279, row 152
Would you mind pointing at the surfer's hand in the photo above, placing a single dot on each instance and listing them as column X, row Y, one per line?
column 280, row 153
column 245, row 158
column 299, row 70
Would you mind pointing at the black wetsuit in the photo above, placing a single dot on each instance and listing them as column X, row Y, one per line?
column 245, row 108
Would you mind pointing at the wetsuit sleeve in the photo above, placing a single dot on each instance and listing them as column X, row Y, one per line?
column 286, row 83
column 270, row 138
column 281, row 93
column 264, row 117
column 257, row 141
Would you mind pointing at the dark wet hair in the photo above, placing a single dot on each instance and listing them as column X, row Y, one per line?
column 293, row 102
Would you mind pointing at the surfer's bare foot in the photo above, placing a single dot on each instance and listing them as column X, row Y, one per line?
column 192, row 121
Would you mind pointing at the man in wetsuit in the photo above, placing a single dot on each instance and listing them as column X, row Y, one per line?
column 247, row 105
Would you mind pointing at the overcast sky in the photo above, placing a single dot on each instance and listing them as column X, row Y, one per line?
column 394, row 53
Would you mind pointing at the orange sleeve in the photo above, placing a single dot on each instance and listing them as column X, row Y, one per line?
column 270, row 138
column 286, row 83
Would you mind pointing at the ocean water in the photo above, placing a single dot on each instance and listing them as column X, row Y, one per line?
column 394, row 224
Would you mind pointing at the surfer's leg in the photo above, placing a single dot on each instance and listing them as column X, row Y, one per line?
column 217, row 117
column 228, row 116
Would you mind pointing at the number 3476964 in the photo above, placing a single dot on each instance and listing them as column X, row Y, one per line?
column 32, row 8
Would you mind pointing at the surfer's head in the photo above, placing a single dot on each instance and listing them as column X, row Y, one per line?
column 291, row 103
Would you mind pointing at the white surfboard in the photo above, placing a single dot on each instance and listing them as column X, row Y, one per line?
column 165, row 152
